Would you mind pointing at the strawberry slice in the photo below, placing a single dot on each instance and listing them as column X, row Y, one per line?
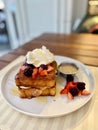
column 70, row 96
column 35, row 73
column 70, row 85
column 67, row 87
column 50, row 68
column 85, row 92
column 64, row 91
column 22, row 67
column 43, row 73
column 40, row 69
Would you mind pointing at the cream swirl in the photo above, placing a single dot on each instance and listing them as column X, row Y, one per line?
column 39, row 56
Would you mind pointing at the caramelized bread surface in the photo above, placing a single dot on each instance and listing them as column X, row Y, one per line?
column 40, row 81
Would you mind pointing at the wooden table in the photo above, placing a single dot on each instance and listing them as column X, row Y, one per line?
column 83, row 47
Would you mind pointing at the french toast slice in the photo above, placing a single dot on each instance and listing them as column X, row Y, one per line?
column 35, row 92
column 40, row 85
column 39, row 81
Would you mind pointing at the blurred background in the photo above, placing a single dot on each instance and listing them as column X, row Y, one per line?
column 24, row 20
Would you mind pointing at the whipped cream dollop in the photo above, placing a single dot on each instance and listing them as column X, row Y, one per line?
column 40, row 56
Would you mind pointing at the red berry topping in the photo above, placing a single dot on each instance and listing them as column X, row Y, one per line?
column 28, row 71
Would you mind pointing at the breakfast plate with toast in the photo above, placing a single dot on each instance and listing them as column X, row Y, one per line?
column 35, row 90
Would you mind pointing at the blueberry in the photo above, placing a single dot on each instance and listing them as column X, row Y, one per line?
column 69, row 78
column 81, row 85
column 28, row 71
column 74, row 91
column 44, row 67
column 29, row 65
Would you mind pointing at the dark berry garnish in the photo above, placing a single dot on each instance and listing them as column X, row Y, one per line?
column 74, row 91
column 29, row 65
column 28, row 71
column 69, row 78
column 25, row 64
column 44, row 67
column 81, row 86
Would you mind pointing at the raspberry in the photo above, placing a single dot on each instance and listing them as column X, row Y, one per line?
column 28, row 71
column 74, row 91
column 81, row 85
column 44, row 67
column 69, row 78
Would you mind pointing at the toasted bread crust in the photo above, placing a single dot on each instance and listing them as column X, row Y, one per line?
column 34, row 92
column 39, row 81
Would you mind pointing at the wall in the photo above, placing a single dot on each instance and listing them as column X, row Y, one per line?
column 42, row 16
column 34, row 17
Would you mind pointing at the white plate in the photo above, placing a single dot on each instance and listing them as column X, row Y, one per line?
column 48, row 106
